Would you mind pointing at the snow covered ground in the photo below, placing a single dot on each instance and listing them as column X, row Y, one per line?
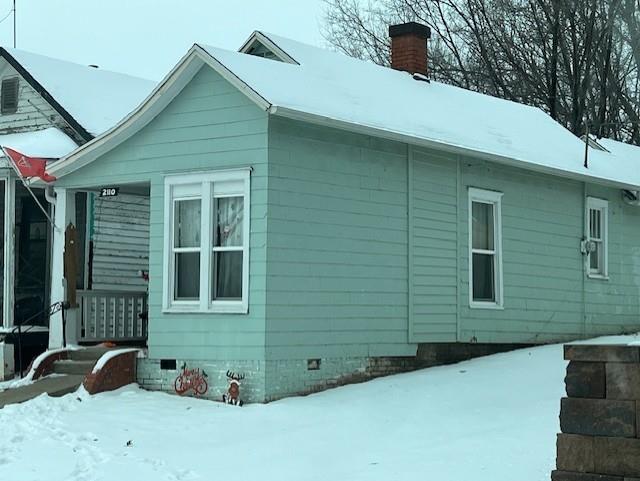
column 493, row 419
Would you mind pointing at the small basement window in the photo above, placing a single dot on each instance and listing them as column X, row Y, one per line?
column 9, row 95
column 597, row 235
column 485, row 249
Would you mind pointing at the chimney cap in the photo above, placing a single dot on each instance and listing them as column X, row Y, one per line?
column 410, row 28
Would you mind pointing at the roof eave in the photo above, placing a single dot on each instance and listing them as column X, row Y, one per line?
column 39, row 88
column 433, row 144
column 164, row 92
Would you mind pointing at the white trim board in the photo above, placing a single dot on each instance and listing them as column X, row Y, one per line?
column 494, row 199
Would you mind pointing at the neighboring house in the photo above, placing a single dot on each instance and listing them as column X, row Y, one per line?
column 49, row 107
column 314, row 217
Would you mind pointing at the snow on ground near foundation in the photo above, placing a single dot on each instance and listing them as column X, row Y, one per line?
column 493, row 419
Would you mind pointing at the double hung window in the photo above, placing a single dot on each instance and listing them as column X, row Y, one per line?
column 597, row 230
column 485, row 249
column 207, row 242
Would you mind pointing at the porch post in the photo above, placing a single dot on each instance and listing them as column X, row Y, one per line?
column 8, row 273
column 64, row 213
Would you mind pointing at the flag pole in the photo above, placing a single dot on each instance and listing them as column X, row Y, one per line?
column 44, row 211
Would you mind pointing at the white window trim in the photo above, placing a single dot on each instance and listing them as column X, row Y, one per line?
column 206, row 180
column 494, row 198
column 603, row 206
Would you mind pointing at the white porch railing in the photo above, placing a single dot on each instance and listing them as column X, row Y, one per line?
column 112, row 316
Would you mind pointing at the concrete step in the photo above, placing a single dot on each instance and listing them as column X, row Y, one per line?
column 55, row 386
column 88, row 354
column 73, row 367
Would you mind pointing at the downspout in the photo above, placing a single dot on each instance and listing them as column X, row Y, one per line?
column 50, row 195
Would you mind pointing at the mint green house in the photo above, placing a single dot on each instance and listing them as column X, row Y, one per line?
column 314, row 218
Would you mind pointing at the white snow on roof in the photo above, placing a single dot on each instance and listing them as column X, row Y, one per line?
column 49, row 143
column 622, row 150
column 337, row 87
column 97, row 99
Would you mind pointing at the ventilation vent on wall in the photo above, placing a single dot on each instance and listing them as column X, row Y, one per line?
column 9, row 96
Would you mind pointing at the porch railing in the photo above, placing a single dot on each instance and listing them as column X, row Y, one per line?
column 112, row 316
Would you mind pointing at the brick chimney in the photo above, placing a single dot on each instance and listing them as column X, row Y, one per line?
column 409, row 47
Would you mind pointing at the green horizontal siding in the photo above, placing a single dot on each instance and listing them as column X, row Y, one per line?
column 433, row 247
column 337, row 244
column 208, row 126
column 542, row 265
column 359, row 246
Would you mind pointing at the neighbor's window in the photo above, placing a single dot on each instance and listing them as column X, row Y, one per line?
column 9, row 95
column 207, row 243
column 485, row 245
column 597, row 220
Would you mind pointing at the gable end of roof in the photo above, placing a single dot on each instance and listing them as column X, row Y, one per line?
column 261, row 38
column 68, row 118
column 157, row 100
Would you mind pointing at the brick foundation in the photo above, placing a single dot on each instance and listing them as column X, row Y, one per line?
column 151, row 376
column 600, row 418
column 270, row 380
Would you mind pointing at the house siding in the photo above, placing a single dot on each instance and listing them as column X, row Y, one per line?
column 120, row 236
column 542, row 225
column 33, row 112
column 359, row 248
column 433, row 247
column 547, row 296
column 208, row 126
column 336, row 253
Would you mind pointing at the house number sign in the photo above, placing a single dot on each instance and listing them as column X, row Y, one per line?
column 109, row 191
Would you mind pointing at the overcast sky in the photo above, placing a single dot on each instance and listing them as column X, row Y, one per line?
column 147, row 37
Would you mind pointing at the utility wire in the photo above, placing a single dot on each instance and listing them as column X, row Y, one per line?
column 6, row 16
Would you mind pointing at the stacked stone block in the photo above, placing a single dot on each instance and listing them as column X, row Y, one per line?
column 600, row 417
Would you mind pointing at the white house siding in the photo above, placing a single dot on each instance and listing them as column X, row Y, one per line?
column 33, row 112
column 120, row 235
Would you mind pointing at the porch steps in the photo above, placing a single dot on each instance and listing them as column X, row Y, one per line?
column 54, row 386
column 68, row 376
column 81, row 368
column 89, row 354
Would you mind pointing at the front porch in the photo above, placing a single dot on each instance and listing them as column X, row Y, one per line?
column 105, row 248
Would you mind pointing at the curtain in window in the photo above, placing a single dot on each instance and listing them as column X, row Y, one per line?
column 187, row 246
column 187, row 223
column 483, row 252
column 228, row 235
column 482, row 234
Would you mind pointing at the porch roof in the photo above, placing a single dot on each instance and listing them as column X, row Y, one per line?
column 49, row 143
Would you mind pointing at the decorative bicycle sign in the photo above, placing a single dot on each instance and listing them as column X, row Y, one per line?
column 191, row 380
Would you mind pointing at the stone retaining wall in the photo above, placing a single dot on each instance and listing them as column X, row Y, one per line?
column 600, row 417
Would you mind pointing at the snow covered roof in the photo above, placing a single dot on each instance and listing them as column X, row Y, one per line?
column 49, row 143
column 96, row 99
column 622, row 150
column 329, row 88
column 337, row 87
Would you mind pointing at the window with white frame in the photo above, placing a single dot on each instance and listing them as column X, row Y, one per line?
column 207, row 242
column 485, row 248
column 597, row 229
